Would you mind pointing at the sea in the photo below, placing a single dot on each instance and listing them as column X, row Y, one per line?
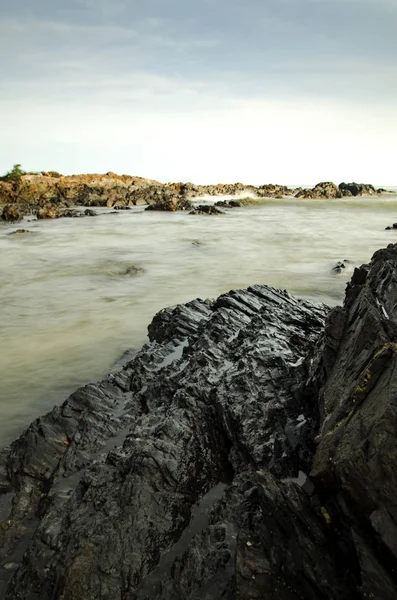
column 72, row 302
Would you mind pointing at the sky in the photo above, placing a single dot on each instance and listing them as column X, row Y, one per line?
column 258, row 91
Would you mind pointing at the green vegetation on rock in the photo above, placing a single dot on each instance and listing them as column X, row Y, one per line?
column 14, row 175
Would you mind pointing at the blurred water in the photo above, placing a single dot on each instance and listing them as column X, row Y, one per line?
column 68, row 312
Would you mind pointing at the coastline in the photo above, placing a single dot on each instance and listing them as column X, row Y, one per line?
column 51, row 195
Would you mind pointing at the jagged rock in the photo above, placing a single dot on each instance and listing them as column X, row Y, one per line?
column 394, row 226
column 354, row 465
column 184, row 475
column 113, row 474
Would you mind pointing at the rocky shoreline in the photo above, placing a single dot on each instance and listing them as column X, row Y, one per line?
column 51, row 195
column 246, row 451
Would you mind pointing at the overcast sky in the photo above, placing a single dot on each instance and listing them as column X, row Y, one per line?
column 287, row 91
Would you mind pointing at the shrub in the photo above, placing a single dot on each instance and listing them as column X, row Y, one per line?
column 14, row 175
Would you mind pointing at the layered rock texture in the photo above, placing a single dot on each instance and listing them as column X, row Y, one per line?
column 49, row 194
column 248, row 451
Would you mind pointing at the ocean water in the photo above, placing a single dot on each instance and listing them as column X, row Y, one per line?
column 69, row 310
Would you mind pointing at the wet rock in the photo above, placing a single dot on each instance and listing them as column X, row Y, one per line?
column 228, row 204
column 394, row 226
column 206, row 209
column 48, row 212
column 12, row 213
column 106, row 483
column 132, row 271
column 340, row 265
column 353, row 468
column 90, row 213
column 71, row 213
column 247, row 451
column 20, row 232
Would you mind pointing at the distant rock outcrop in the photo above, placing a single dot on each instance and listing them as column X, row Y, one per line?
column 330, row 190
column 33, row 192
column 321, row 190
column 358, row 189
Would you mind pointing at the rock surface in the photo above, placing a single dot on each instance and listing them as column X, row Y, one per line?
column 38, row 192
column 184, row 475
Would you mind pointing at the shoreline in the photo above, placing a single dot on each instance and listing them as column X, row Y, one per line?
column 50, row 196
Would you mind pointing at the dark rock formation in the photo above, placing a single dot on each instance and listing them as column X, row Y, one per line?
column 358, row 189
column 330, row 190
column 340, row 265
column 228, row 204
column 354, row 466
column 132, row 271
column 206, row 209
column 184, row 475
column 394, row 226
column 106, row 483
column 12, row 213
column 20, row 231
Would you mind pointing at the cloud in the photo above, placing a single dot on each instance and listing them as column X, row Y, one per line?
column 213, row 90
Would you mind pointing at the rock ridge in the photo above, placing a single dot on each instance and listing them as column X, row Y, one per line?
column 246, row 451
column 50, row 193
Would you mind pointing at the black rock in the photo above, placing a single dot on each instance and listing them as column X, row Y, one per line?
column 206, row 209
column 228, row 204
column 358, row 189
column 247, row 451
column 132, row 271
